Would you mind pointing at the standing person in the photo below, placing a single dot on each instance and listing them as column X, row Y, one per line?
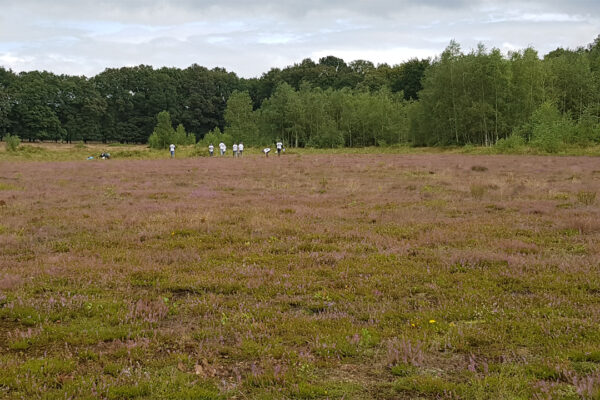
column 222, row 148
column 279, row 146
column 235, row 150
column 172, row 149
column 240, row 149
column 211, row 150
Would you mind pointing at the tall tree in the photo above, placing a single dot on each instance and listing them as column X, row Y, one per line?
column 526, row 85
column 36, row 99
column 7, row 79
column 163, row 134
column 240, row 120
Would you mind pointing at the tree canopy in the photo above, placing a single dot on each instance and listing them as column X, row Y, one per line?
column 478, row 97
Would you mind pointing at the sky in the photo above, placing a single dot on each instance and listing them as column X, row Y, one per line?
column 249, row 37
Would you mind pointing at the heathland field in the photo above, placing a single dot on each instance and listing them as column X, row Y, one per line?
column 312, row 276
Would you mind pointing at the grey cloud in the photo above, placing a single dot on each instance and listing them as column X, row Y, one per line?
column 85, row 36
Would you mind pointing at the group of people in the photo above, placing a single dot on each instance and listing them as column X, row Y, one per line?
column 238, row 149
column 278, row 146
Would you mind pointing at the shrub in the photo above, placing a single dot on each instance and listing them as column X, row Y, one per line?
column 587, row 129
column 403, row 370
column 163, row 134
column 12, row 142
column 215, row 137
column 550, row 129
column 586, row 198
column 511, row 143
column 477, row 191
column 547, row 138
column 182, row 137
column 129, row 391
column 329, row 137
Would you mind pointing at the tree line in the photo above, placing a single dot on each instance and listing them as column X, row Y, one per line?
column 483, row 97
column 122, row 104
column 478, row 97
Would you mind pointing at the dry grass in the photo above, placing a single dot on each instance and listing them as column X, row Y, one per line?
column 303, row 276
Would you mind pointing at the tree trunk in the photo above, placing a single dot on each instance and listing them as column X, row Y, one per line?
column 454, row 104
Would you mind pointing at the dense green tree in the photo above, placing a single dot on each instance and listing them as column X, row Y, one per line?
column 407, row 77
column 439, row 119
column 197, row 93
column 80, row 109
column 163, row 134
column 527, row 82
column 280, row 116
column 5, row 107
column 570, row 84
column 331, row 118
column 33, row 114
column 7, row 79
column 240, row 119
column 182, row 137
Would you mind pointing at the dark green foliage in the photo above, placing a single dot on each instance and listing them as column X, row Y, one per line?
column 484, row 98
column 511, row 143
column 6, row 79
column 240, row 120
column 164, row 134
column 549, row 129
column 479, row 98
column 37, row 97
column 332, row 118
column 214, row 137
column 182, row 137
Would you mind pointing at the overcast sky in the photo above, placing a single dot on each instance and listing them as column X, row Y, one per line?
column 83, row 37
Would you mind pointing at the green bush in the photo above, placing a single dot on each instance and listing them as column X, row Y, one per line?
column 329, row 137
column 586, row 198
column 129, row 391
column 182, row 137
column 511, row 143
column 215, row 137
column 478, row 191
column 164, row 134
column 550, row 130
column 12, row 142
column 550, row 137
column 587, row 130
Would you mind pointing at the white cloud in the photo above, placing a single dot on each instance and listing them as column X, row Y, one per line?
column 10, row 59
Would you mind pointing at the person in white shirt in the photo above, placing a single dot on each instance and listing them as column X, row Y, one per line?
column 266, row 151
column 211, row 150
column 240, row 149
column 235, row 150
column 222, row 148
column 279, row 146
column 172, row 149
